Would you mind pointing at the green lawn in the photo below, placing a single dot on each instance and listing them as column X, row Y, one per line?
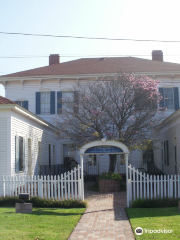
column 155, row 219
column 43, row 223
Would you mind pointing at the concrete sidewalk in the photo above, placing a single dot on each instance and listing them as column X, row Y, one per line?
column 105, row 218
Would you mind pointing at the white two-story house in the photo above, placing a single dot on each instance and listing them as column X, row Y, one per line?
column 39, row 91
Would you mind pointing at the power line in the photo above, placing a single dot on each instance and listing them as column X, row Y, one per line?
column 89, row 56
column 92, row 38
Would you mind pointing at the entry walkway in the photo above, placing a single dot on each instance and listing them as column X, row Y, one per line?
column 105, row 218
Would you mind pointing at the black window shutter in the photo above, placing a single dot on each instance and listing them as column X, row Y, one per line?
column 167, row 152
column 16, row 153
column 25, row 104
column 52, row 102
column 176, row 98
column 76, row 102
column 59, row 102
column 38, row 109
column 161, row 104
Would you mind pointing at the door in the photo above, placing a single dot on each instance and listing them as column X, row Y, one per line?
column 92, row 162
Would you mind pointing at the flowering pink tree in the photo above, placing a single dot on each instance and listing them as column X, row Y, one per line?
column 124, row 108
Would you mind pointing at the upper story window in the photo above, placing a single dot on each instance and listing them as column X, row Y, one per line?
column 67, row 99
column 170, row 98
column 45, row 102
column 23, row 104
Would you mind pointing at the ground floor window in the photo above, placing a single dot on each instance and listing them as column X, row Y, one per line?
column 148, row 154
column 20, row 154
column 68, row 152
column 49, row 152
column 92, row 160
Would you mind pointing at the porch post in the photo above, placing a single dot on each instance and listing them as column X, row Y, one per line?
column 82, row 178
column 127, row 180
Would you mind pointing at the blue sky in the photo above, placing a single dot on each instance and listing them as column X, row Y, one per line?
column 90, row 18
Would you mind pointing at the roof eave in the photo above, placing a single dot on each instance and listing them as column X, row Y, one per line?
column 27, row 113
column 79, row 76
column 169, row 118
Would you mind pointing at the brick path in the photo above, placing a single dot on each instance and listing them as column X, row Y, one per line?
column 105, row 218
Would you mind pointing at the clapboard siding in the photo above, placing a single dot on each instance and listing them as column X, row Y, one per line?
column 35, row 133
column 3, row 148
column 171, row 131
column 27, row 90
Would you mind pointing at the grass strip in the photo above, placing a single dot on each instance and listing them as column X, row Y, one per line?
column 155, row 219
column 43, row 223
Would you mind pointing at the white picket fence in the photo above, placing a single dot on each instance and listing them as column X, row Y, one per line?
column 67, row 186
column 142, row 185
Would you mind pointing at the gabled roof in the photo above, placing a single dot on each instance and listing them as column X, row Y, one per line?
column 100, row 65
column 4, row 100
column 25, row 112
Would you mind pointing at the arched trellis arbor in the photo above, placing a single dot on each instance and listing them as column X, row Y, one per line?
column 103, row 147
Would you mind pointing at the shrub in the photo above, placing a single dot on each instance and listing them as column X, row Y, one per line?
column 110, row 175
column 155, row 203
column 43, row 203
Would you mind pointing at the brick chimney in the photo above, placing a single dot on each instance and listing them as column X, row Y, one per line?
column 157, row 55
column 54, row 59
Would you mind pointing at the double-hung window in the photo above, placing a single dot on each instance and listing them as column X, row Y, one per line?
column 45, row 102
column 67, row 101
column 170, row 98
column 166, row 153
column 49, row 154
column 19, row 153
column 23, row 104
column 92, row 160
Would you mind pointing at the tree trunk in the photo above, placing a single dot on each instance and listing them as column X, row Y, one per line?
column 112, row 162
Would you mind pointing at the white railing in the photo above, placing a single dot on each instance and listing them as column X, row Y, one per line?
column 66, row 186
column 142, row 185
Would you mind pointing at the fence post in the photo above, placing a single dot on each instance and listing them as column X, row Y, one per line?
column 175, row 190
column 62, row 184
column 75, row 180
column 48, row 187
column 40, row 188
column 58, row 187
column 79, row 185
column 130, row 183
column 171, row 186
column 127, row 185
column 72, row 190
column 65, row 186
column 178, row 183
column 82, row 179
column 4, row 189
